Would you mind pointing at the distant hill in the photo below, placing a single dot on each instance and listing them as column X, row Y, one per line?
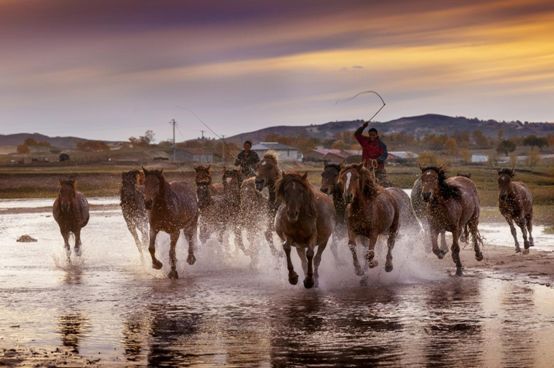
column 59, row 142
column 416, row 125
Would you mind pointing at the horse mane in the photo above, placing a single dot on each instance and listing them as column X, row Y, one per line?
column 272, row 157
column 446, row 190
column 289, row 178
column 505, row 171
column 370, row 186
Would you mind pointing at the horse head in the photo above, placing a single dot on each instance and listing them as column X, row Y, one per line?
column 154, row 183
column 232, row 180
column 203, row 176
column 131, row 179
column 295, row 192
column 267, row 171
column 67, row 193
column 330, row 177
column 431, row 179
column 350, row 181
column 505, row 177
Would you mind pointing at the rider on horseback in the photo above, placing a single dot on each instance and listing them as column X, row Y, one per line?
column 247, row 160
column 374, row 152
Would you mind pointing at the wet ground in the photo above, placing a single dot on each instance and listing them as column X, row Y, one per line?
column 107, row 306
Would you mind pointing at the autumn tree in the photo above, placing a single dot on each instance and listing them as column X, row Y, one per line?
column 506, row 147
column 533, row 157
column 92, row 146
column 534, row 141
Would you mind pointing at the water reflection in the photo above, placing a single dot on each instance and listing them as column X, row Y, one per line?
column 72, row 327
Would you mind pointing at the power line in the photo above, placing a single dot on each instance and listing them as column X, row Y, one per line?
column 200, row 120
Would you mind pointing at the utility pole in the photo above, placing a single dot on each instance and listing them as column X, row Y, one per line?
column 202, row 137
column 173, row 122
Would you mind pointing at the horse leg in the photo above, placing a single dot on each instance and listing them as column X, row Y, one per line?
column 514, row 233
column 309, row 279
column 269, row 238
column 456, row 251
column 352, row 246
column 303, row 260
column 191, row 234
column 390, row 245
column 65, row 235
column 473, row 227
column 138, row 243
column 174, row 237
column 78, row 243
column 293, row 276
column 317, row 260
column 521, row 224
column 238, row 238
column 335, row 250
column 433, row 234
column 152, row 249
column 529, row 221
column 370, row 256
column 444, row 246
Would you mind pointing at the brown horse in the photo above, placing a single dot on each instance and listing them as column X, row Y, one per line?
column 253, row 213
column 452, row 205
column 267, row 175
column 71, row 212
column 372, row 211
column 232, row 180
column 172, row 207
column 204, row 176
column 516, row 205
column 133, row 208
column 212, row 207
column 305, row 219
column 420, row 209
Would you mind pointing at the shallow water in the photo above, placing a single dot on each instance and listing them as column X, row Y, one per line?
column 221, row 312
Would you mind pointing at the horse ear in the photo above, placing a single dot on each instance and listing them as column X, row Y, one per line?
column 512, row 173
column 325, row 162
column 208, row 167
column 144, row 170
column 341, row 165
column 140, row 178
column 305, row 176
column 161, row 172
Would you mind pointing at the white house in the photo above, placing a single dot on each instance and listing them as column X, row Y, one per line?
column 478, row 158
column 284, row 152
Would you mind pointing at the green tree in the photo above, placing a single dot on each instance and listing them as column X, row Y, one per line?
column 534, row 141
column 506, row 147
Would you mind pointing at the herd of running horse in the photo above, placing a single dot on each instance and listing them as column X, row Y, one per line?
column 350, row 204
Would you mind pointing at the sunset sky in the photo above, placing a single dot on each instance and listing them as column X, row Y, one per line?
column 109, row 69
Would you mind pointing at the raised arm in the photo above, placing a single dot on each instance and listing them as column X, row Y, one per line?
column 358, row 133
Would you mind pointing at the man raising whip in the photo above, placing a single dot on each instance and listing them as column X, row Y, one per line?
column 374, row 152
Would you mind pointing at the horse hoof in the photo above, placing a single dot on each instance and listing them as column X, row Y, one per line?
column 77, row 251
column 173, row 275
column 359, row 272
column 479, row 256
column 364, row 281
column 526, row 251
column 191, row 259
column 518, row 250
column 308, row 283
column 459, row 272
column 388, row 267
column 293, row 278
column 157, row 265
column 372, row 263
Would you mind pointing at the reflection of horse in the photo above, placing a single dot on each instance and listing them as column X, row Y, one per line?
column 305, row 219
column 71, row 329
column 452, row 205
column 173, row 207
column 372, row 211
column 267, row 175
column 71, row 212
column 516, row 205
column 132, row 207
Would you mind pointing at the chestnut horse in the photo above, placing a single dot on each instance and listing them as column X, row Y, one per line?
column 132, row 206
column 305, row 219
column 71, row 212
column 172, row 207
column 204, row 176
column 372, row 211
column 452, row 205
column 267, row 175
column 516, row 205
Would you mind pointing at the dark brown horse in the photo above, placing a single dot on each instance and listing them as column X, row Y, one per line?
column 212, row 207
column 420, row 210
column 132, row 206
column 232, row 181
column 172, row 207
column 452, row 205
column 267, row 175
column 71, row 212
column 372, row 211
column 305, row 219
column 516, row 205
